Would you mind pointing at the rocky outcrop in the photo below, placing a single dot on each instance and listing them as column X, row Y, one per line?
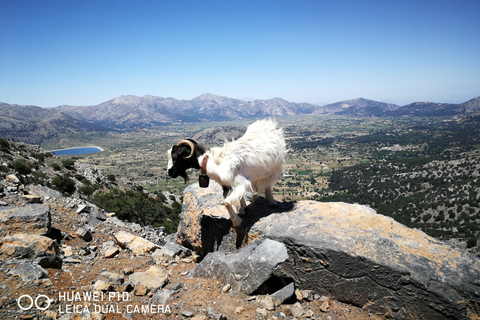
column 345, row 251
column 34, row 217
column 28, row 246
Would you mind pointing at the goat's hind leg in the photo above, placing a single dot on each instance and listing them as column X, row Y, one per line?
column 268, row 194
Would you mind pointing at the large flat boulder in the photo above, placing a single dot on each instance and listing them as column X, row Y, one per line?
column 22, row 245
column 345, row 251
column 32, row 218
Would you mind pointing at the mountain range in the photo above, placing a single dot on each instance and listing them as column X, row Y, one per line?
column 33, row 124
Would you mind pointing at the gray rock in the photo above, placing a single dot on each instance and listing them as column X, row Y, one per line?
column 344, row 251
column 32, row 218
column 162, row 296
column 245, row 270
column 94, row 214
column 112, row 278
column 49, row 262
column 284, row 294
column 44, row 192
column 29, row 271
column 85, row 234
column 172, row 250
column 187, row 314
column 213, row 314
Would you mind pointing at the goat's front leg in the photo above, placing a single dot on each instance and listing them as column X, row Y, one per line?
column 243, row 205
column 236, row 220
column 236, row 200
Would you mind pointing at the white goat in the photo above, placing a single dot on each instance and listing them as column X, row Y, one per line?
column 250, row 164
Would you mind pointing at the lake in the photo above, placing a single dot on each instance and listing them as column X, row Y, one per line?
column 76, row 151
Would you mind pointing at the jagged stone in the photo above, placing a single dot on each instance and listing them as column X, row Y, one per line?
column 28, row 246
column 13, row 179
column 284, row 294
column 94, row 214
column 267, row 303
column 33, row 218
column 49, row 262
column 140, row 290
column 110, row 252
column 153, row 278
column 161, row 297
column 85, row 234
column 32, row 198
column 67, row 250
column 245, row 270
column 201, row 209
column 134, row 243
column 297, row 310
column 345, row 251
column 325, row 306
column 44, row 192
column 29, row 271
column 169, row 251
column 112, row 278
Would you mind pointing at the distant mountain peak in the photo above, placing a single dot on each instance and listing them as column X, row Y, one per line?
column 209, row 96
column 126, row 99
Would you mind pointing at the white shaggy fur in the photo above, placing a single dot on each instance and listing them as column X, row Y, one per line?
column 250, row 164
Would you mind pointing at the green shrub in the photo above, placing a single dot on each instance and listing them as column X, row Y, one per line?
column 87, row 189
column 79, row 177
column 39, row 156
column 39, row 177
column 68, row 164
column 56, row 166
column 137, row 206
column 22, row 166
column 64, row 184
column 4, row 145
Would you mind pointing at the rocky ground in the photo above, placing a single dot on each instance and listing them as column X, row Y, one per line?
column 63, row 258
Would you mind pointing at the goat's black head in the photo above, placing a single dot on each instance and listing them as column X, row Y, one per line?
column 183, row 156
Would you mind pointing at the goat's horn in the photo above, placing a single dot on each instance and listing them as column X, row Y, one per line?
column 189, row 143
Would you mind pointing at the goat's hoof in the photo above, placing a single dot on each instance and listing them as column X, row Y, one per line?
column 274, row 204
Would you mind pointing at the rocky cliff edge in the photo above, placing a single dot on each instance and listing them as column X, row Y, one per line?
column 344, row 251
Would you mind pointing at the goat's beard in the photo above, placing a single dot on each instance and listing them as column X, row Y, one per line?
column 184, row 176
column 173, row 173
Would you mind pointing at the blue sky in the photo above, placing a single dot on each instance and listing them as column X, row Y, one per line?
column 81, row 52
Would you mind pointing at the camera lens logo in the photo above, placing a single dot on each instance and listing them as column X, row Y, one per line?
column 26, row 302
